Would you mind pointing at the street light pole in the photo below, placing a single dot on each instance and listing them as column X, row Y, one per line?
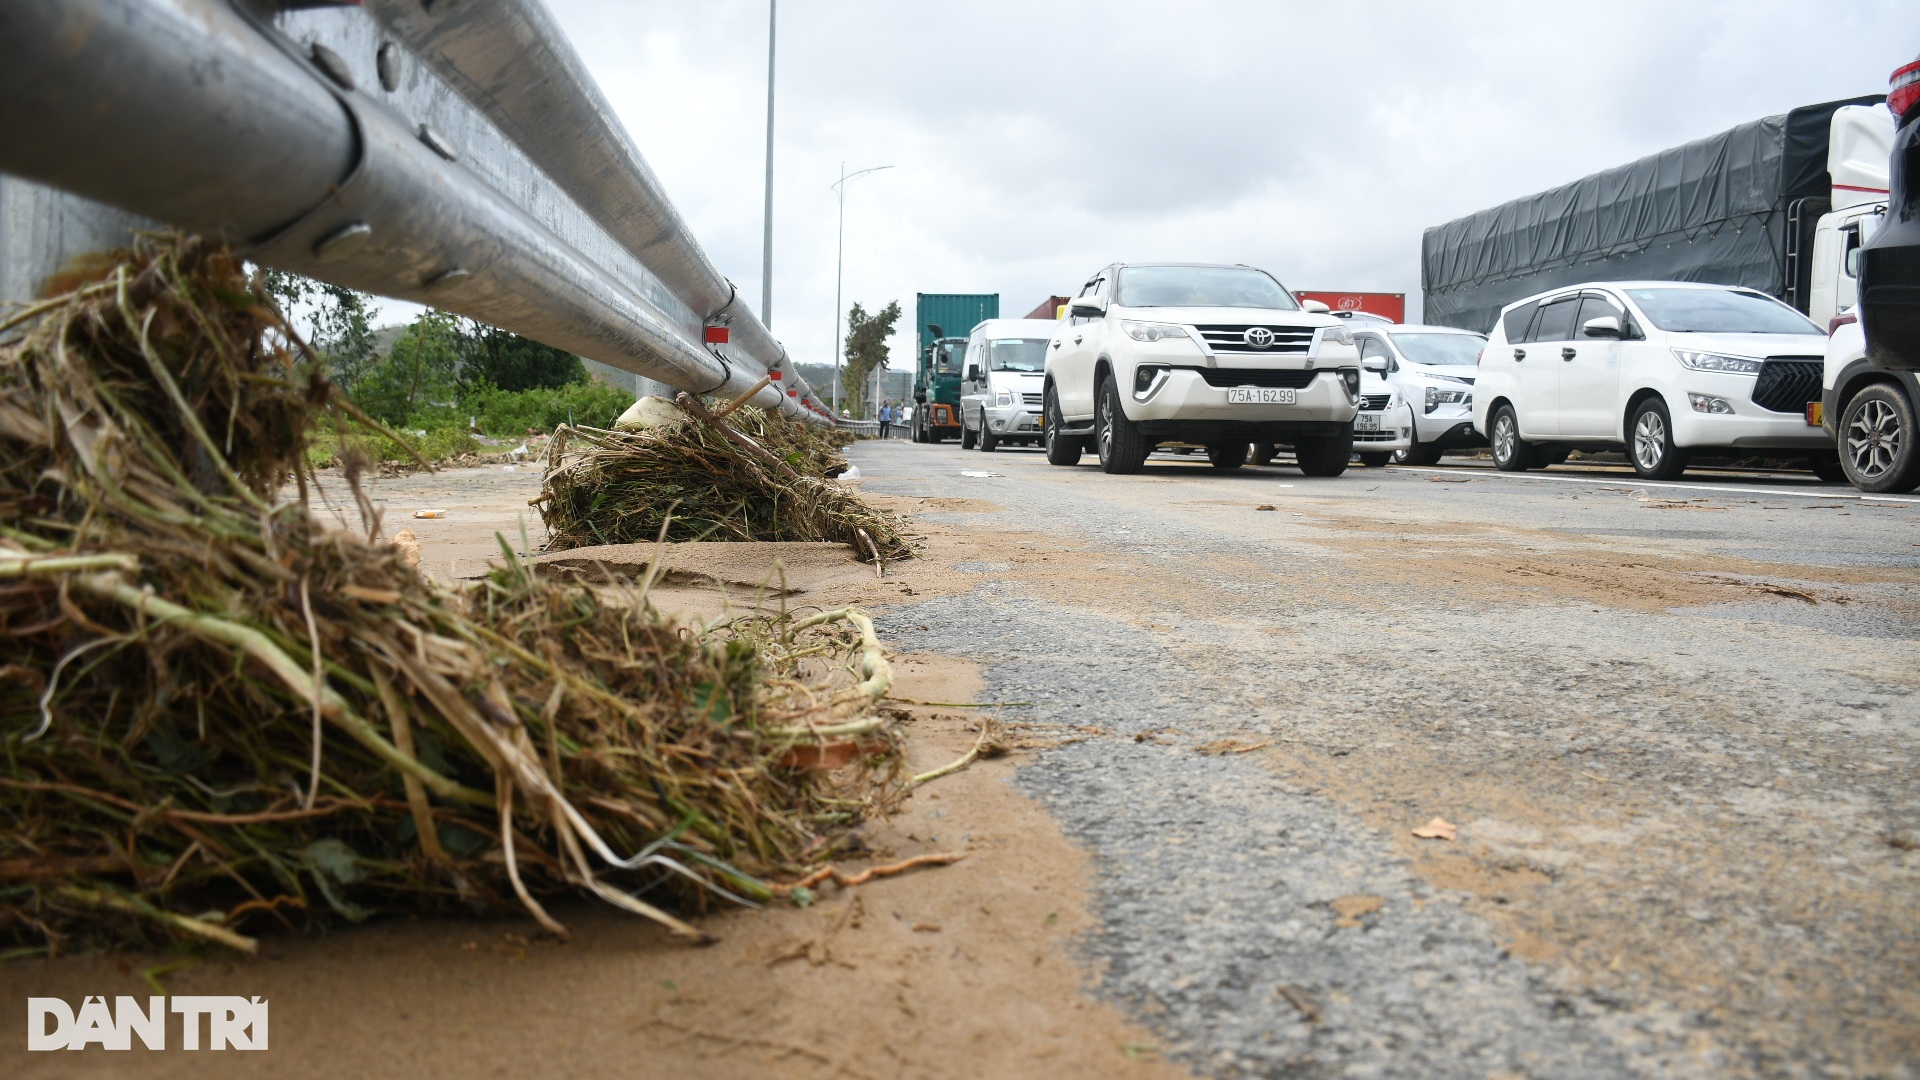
column 839, row 271
column 766, row 241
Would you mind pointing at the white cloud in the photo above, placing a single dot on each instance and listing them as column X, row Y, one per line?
column 1034, row 145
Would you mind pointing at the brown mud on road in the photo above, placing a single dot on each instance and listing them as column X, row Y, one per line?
column 965, row 970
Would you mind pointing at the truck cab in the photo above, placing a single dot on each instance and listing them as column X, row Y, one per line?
column 936, row 390
column 1001, row 387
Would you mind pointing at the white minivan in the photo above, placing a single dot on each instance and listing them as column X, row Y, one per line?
column 1434, row 368
column 1000, row 388
column 1663, row 368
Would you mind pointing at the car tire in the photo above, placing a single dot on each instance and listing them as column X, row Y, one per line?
column 1650, row 442
column 1418, row 454
column 1511, row 453
column 1553, row 455
column 1877, row 447
column 1061, row 449
column 1828, row 468
column 987, row 440
column 1118, row 441
column 968, row 440
column 1263, row 453
column 1228, row 455
column 1324, row 455
column 1375, row 460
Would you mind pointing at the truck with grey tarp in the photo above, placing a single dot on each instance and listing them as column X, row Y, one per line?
column 1748, row 206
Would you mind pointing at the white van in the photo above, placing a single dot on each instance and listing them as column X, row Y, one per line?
column 1001, row 384
column 1661, row 368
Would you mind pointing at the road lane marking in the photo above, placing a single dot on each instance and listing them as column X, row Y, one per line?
column 1634, row 481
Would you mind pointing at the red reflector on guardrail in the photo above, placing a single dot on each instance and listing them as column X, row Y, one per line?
column 718, row 335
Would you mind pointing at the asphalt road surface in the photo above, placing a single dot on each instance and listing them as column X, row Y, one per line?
column 1673, row 724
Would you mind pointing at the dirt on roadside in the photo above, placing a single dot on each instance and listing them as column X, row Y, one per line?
column 964, row 970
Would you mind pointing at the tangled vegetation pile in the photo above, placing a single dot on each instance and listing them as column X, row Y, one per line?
column 745, row 474
column 216, row 714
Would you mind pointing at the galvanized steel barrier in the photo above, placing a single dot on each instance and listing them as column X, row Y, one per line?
column 455, row 153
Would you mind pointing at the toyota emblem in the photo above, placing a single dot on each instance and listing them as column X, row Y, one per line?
column 1257, row 337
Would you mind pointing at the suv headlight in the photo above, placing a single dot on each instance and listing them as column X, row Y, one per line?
column 1003, row 399
column 1152, row 331
column 1339, row 335
column 1437, row 397
column 1706, row 361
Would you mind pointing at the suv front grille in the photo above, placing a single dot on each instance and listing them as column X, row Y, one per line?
column 1786, row 385
column 1232, row 339
column 1374, row 402
column 1290, row 378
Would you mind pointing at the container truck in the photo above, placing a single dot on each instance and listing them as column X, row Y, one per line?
column 1775, row 205
column 945, row 320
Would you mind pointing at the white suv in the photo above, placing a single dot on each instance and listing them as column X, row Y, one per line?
column 1662, row 367
column 1223, row 356
column 1434, row 368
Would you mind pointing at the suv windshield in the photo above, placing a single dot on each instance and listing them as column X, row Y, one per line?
column 1719, row 311
column 1201, row 286
column 1017, row 354
column 1454, row 350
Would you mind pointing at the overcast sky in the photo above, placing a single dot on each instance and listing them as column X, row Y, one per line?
column 1033, row 144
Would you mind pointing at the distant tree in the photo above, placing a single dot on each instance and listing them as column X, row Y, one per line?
column 866, row 350
column 494, row 357
column 339, row 324
column 419, row 374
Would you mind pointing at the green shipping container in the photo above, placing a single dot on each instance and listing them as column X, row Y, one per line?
column 956, row 314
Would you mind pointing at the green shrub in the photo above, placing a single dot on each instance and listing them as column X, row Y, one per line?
column 506, row 414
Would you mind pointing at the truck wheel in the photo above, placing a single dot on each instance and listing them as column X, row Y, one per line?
column 989, row 442
column 967, row 437
column 1877, row 441
column 1418, row 454
column 1325, row 455
column 1375, row 460
column 1651, row 446
column 1061, row 449
column 1229, row 455
column 1511, row 453
column 1121, row 447
column 1263, row 453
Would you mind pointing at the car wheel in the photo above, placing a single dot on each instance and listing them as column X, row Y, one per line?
column 1650, row 445
column 1228, row 456
column 1263, row 453
column 1375, row 460
column 1418, row 454
column 1511, row 453
column 1877, row 448
column 1325, row 455
column 1828, row 468
column 988, row 440
column 1061, row 449
column 968, row 440
column 1121, row 447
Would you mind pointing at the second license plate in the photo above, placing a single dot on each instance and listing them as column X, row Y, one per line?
column 1366, row 421
column 1258, row 395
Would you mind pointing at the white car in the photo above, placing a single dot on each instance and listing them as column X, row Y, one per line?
column 1000, row 386
column 1383, row 428
column 1222, row 356
column 1434, row 369
column 1663, row 368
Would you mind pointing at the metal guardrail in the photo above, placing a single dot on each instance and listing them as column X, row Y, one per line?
column 453, row 154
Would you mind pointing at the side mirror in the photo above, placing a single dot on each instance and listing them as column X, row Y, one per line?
column 973, row 372
column 1853, row 262
column 1374, row 363
column 1088, row 307
column 1606, row 326
column 1315, row 307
